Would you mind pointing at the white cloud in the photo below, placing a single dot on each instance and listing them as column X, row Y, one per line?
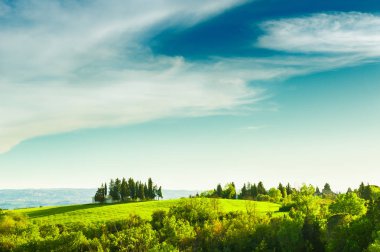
column 354, row 33
column 67, row 66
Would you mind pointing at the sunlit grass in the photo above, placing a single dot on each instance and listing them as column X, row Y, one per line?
column 110, row 212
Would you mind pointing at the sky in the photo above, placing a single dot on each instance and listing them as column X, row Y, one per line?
column 190, row 93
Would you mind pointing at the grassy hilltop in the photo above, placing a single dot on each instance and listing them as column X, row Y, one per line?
column 111, row 212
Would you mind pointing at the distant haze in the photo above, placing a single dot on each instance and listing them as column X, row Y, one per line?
column 25, row 198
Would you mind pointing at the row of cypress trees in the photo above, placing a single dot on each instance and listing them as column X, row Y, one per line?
column 128, row 190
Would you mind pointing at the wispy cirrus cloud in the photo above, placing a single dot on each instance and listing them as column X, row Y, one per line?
column 335, row 33
column 73, row 65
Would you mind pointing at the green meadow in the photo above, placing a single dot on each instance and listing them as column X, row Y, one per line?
column 111, row 212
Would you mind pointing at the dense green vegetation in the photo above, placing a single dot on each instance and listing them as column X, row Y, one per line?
column 310, row 221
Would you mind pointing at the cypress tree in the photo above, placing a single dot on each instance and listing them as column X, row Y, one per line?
column 150, row 191
column 99, row 195
column 132, row 188
column 282, row 190
column 243, row 193
column 124, row 189
column 317, row 191
column 159, row 193
column 105, row 190
column 289, row 189
column 219, row 191
column 146, row 192
column 112, row 189
column 141, row 193
column 327, row 189
column 361, row 190
column 261, row 188
column 254, row 191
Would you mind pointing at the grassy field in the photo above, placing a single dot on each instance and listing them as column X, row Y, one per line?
column 108, row 212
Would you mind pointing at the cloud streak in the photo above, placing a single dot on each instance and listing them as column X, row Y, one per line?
column 339, row 33
column 68, row 66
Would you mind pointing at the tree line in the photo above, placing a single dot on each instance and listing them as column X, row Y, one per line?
column 128, row 190
column 253, row 191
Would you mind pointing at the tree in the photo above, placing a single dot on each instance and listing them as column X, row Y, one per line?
column 124, row 190
column 112, row 188
column 367, row 192
column 155, row 191
column 282, row 190
column 229, row 191
column 115, row 188
column 132, row 188
column 159, row 193
column 317, row 191
column 289, row 189
column 150, row 193
column 243, row 193
column 219, row 191
column 327, row 189
column 234, row 191
column 361, row 190
column 348, row 203
column 99, row 195
column 254, row 191
column 141, row 191
column 105, row 190
column 261, row 188
column 305, row 202
column 275, row 194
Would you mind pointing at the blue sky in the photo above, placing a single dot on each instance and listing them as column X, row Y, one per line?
column 189, row 93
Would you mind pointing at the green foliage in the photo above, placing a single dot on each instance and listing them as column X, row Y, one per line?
column 100, row 195
column 229, row 191
column 375, row 246
column 199, row 224
column 197, row 210
column 348, row 203
column 128, row 190
column 248, row 191
column 11, row 222
column 263, row 197
column 178, row 232
column 275, row 195
column 261, row 188
column 134, row 238
column 306, row 204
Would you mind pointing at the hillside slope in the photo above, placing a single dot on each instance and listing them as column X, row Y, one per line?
column 105, row 212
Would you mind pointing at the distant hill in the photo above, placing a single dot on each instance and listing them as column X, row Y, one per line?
column 25, row 198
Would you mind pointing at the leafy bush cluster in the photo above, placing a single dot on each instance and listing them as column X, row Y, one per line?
column 348, row 223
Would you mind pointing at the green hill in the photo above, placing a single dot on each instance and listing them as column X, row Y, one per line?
column 107, row 212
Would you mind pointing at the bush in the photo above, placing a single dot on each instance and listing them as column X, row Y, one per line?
column 196, row 211
column 286, row 207
column 139, row 238
column 12, row 221
column 262, row 197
